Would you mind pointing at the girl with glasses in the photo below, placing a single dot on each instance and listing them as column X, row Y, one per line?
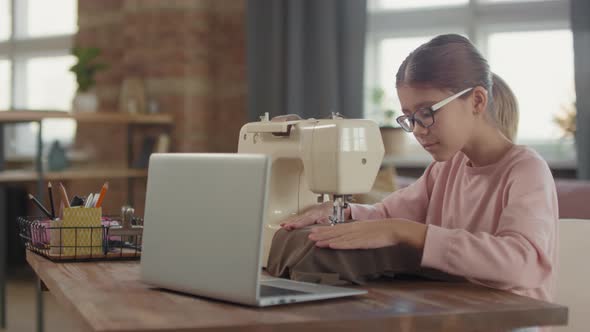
column 485, row 209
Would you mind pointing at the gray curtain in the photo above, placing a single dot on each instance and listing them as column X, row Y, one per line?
column 305, row 57
column 580, row 12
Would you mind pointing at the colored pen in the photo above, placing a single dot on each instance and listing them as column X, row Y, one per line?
column 94, row 200
column 40, row 206
column 89, row 200
column 103, row 191
column 50, row 191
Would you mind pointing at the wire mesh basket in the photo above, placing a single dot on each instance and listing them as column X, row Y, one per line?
column 50, row 239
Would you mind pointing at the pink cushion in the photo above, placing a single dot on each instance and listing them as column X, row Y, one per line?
column 573, row 197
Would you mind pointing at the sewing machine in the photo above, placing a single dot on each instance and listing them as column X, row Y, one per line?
column 311, row 160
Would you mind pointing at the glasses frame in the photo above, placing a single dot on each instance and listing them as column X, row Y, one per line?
column 432, row 110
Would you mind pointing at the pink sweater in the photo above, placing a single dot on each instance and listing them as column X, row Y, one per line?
column 495, row 225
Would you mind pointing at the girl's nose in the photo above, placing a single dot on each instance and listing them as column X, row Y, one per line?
column 419, row 130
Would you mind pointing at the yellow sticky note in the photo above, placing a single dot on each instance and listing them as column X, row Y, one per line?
column 78, row 238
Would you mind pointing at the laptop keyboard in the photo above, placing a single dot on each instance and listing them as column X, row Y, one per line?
column 268, row 291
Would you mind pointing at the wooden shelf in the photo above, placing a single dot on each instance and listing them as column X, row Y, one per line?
column 99, row 117
column 13, row 176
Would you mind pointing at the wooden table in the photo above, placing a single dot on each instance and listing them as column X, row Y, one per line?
column 109, row 297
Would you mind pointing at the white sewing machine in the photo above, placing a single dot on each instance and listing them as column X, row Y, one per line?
column 310, row 159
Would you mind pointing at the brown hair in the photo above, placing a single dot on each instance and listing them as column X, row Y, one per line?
column 452, row 62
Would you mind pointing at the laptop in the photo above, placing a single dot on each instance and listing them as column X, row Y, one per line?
column 203, row 224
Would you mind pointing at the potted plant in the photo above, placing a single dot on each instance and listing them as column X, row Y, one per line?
column 394, row 137
column 566, row 120
column 85, row 70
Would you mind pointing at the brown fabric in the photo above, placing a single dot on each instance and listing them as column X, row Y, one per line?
column 293, row 255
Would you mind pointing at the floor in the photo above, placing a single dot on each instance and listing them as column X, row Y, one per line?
column 21, row 306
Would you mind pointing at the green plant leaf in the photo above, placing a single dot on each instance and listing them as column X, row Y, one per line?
column 389, row 113
column 377, row 95
column 86, row 67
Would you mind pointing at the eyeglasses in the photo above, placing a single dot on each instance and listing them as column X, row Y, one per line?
column 425, row 116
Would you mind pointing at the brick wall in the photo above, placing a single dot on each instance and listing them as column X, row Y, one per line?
column 191, row 57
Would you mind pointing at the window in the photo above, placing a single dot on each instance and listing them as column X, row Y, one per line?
column 541, row 77
column 391, row 53
column 527, row 42
column 413, row 4
column 4, row 84
column 55, row 17
column 500, row 1
column 49, row 83
column 4, row 20
column 39, row 79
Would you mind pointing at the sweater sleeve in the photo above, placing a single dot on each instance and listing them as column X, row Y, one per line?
column 409, row 203
column 519, row 253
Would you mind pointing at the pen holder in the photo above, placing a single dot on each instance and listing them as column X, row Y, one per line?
column 81, row 232
column 55, row 233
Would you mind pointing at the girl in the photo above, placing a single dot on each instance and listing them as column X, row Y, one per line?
column 485, row 209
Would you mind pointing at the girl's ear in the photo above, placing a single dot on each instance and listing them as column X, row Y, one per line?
column 480, row 100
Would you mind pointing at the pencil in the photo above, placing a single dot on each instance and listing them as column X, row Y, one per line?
column 61, row 209
column 103, row 191
column 50, row 191
column 64, row 195
column 40, row 206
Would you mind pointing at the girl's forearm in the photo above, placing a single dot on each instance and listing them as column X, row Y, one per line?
column 410, row 232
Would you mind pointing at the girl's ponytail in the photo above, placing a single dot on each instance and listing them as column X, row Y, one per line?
column 505, row 108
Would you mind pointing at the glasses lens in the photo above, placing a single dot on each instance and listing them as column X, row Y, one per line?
column 405, row 122
column 425, row 117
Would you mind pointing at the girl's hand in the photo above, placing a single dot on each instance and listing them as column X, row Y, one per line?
column 370, row 234
column 318, row 214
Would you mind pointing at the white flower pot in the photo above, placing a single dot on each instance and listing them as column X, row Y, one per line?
column 85, row 102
